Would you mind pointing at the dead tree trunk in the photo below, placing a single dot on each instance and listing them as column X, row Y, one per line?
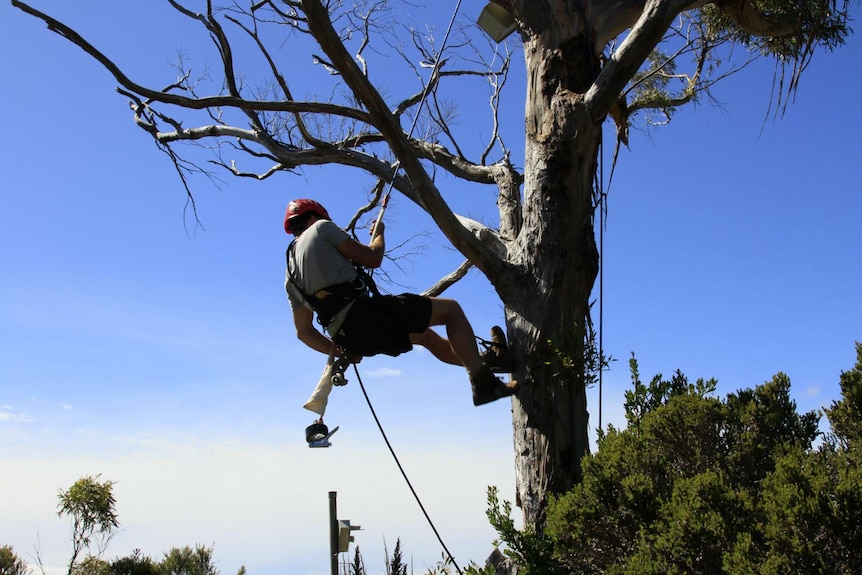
column 547, row 315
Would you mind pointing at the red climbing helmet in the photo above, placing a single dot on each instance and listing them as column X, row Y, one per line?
column 302, row 206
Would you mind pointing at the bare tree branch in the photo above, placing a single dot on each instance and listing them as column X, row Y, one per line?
column 454, row 164
column 448, row 280
column 282, row 83
column 376, row 195
column 425, row 190
column 191, row 103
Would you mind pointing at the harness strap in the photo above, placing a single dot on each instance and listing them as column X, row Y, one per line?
column 330, row 300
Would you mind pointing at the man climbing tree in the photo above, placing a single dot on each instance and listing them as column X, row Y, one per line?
column 321, row 278
column 585, row 62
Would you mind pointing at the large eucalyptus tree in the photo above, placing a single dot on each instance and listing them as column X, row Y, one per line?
column 587, row 62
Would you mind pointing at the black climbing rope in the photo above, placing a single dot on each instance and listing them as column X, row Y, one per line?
column 403, row 473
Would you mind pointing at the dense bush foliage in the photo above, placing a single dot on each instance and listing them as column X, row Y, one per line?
column 11, row 563
column 178, row 561
column 696, row 484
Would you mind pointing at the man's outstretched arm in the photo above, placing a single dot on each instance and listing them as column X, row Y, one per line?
column 370, row 256
column 303, row 320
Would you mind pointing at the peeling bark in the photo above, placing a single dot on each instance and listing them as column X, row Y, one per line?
column 556, row 249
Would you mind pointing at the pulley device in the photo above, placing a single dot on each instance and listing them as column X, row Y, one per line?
column 338, row 368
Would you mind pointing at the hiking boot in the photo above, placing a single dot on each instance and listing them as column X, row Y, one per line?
column 487, row 387
column 496, row 355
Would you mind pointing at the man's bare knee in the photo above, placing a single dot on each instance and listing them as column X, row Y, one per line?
column 422, row 338
column 445, row 311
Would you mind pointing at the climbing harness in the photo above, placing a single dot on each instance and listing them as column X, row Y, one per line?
column 330, row 300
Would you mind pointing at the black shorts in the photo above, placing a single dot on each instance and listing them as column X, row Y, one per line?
column 383, row 324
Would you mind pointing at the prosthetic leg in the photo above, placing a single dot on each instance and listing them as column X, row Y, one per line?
column 317, row 434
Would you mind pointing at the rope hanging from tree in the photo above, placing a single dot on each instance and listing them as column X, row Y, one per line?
column 383, row 205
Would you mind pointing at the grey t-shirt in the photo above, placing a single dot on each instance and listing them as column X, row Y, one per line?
column 316, row 263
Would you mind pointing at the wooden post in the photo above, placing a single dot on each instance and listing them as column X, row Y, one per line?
column 333, row 534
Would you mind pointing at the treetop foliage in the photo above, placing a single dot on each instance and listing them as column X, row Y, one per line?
column 90, row 503
column 845, row 415
column 188, row 561
column 197, row 560
column 11, row 563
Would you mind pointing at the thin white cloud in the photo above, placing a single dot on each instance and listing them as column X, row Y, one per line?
column 15, row 417
column 66, row 406
column 813, row 390
column 385, row 372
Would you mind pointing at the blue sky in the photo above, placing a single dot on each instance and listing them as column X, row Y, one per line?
column 162, row 355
